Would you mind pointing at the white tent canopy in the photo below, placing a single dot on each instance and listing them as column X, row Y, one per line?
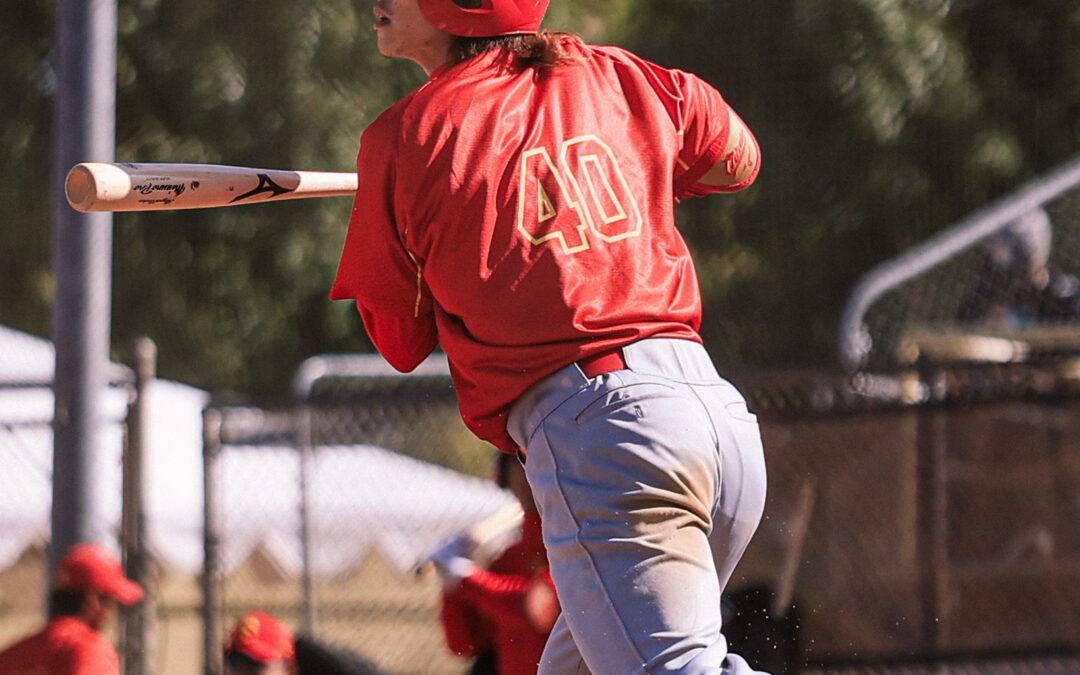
column 361, row 498
column 25, row 359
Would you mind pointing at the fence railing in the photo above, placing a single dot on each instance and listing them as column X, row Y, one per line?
column 859, row 339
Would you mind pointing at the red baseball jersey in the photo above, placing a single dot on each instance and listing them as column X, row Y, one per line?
column 524, row 219
column 66, row 646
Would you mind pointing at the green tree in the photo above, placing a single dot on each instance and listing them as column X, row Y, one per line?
column 26, row 47
column 880, row 123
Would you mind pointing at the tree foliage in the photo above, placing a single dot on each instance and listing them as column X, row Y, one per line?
column 880, row 122
column 26, row 48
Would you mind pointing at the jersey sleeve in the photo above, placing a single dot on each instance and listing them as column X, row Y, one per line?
column 501, row 598
column 704, row 123
column 23, row 657
column 702, row 119
column 376, row 269
column 466, row 632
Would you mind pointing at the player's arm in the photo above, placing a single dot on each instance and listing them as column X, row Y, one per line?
column 404, row 341
column 511, row 599
column 376, row 269
column 465, row 631
column 738, row 164
column 717, row 151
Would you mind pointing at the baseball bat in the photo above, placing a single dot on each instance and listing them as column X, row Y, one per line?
column 495, row 525
column 102, row 186
column 484, row 534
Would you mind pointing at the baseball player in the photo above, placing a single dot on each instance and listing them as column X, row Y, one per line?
column 88, row 586
column 517, row 210
column 260, row 644
column 508, row 607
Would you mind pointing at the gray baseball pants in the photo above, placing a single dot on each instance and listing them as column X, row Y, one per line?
column 650, row 483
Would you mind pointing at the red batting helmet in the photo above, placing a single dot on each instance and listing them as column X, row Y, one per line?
column 489, row 18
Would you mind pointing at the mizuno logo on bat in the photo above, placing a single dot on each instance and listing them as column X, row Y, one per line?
column 265, row 185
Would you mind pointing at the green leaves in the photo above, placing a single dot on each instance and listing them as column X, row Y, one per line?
column 26, row 85
column 236, row 298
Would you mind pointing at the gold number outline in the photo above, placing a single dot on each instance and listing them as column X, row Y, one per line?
column 576, row 199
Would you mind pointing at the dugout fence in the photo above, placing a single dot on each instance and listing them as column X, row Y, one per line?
column 359, row 454
column 895, row 531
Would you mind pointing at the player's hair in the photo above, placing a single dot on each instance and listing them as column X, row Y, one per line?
column 543, row 51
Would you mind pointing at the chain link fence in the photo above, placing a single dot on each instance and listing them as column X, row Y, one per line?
column 27, row 476
column 325, row 510
column 895, row 532
column 25, row 479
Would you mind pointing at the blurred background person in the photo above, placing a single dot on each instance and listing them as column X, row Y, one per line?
column 260, row 644
column 89, row 585
column 1017, row 286
column 502, row 614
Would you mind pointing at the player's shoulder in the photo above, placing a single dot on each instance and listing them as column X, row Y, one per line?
column 432, row 100
column 610, row 52
column 630, row 66
column 74, row 633
column 385, row 128
column 621, row 56
column 16, row 653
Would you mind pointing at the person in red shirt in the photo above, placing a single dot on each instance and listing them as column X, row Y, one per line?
column 260, row 644
column 510, row 607
column 517, row 209
column 88, row 586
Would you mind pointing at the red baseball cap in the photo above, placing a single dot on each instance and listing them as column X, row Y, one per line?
column 490, row 18
column 262, row 637
column 90, row 568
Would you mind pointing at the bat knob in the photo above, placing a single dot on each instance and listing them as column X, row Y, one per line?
column 88, row 183
column 78, row 187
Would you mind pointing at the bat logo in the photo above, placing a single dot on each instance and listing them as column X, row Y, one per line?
column 149, row 188
column 265, row 185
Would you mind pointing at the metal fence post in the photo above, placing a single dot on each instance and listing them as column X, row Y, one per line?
column 81, row 260
column 212, row 565
column 137, row 620
column 303, row 442
column 932, row 513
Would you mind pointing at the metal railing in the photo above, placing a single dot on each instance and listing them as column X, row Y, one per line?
column 855, row 340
